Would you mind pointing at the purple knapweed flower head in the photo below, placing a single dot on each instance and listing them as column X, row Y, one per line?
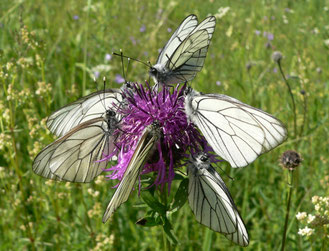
column 119, row 79
column 96, row 74
column 270, row 36
column 142, row 28
column 107, row 57
column 179, row 139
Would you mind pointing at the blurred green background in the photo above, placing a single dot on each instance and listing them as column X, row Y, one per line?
column 49, row 53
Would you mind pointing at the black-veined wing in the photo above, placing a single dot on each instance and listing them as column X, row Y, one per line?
column 211, row 201
column 76, row 156
column 86, row 108
column 181, row 59
column 237, row 132
column 143, row 151
column 188, row 59
column 183, row 30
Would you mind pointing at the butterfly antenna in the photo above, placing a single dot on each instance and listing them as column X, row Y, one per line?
column 103, row 100
column 225, row 172
column 137, row 60
column 123, row 66
column 127, row 67
column 179, row 171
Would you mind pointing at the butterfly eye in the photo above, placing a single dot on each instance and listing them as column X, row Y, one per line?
column 153, row 70
column 187, row 91
column 110, row 113
column 204, row 158
column 155, row 123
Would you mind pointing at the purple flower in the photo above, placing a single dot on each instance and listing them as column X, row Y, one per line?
column 96, row 74
column 142, row 28
column 270, row 36
column 133, row 40
column 108, row 57
column 180, row 138
column 257, row 32
column 275, row 70
column 169, row 30
column 218, row 83
column 75, row 17
column 119, row 79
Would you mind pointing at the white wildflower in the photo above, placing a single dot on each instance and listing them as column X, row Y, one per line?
column 306, row 231
column 315, row 199
column 310, row 218
column 222, row 11
column 301, row 216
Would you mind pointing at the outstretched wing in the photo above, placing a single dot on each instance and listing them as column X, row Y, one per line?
column 237, row 132
column 213, row 206
column 86, row 108
column 184, row 29
column 75, row 156
column 142, row 152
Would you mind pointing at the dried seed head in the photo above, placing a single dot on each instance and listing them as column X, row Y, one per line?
column 290, row 159
column 276, row 56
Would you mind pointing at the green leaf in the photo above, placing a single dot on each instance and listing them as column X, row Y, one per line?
column 153, row 203
column 149, row 221
column 179, row 176
column 180, row 196
column 169, row 231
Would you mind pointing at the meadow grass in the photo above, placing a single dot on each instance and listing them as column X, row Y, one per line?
column 49, row 51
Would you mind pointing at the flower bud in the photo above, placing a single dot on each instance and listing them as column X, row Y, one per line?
column 290, row 159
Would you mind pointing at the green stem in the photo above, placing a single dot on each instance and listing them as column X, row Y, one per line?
column 287, row 212
column 164, row 200
column 292, row 98
column 304, row 115
column 85, row 50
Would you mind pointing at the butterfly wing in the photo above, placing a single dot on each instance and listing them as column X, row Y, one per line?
column 207, row 24
column 237, row 132
column 184, row 29
column 189, row 58
column 41, row 163
column 213, row 206
column 75, row 156
column 142, row 152
column 86, row 108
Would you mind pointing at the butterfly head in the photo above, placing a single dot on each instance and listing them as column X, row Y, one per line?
column 110, row 113
column 153, row 71
column 201, row 160
column 128, row 85
column 188, row 90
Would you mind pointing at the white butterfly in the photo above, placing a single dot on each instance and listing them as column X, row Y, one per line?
column 237, row 132
column 211, row 201
column 86, row 108
column 184, row 54
column 143, row 151
column 76, row 156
